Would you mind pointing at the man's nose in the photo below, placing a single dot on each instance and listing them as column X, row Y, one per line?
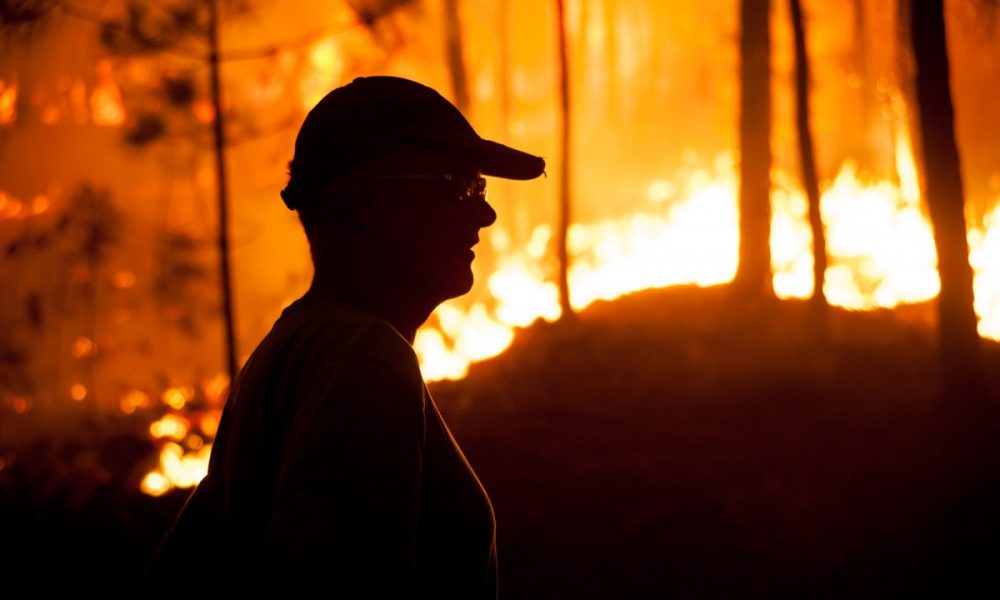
column 481, row 213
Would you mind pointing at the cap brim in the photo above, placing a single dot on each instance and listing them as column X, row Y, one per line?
column 493, row 158
column 504, row 161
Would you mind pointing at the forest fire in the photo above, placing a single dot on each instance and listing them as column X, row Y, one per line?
column 737, row 317
column 881, row 250
column 881, row 255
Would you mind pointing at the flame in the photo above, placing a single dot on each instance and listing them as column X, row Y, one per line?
column 176, row 469
column 695, row 242
column 691, row 239
column 170, row 426
column 155, row 484
column 184, row 439
column 880, row 246
column 8, row 102
column 984, row 244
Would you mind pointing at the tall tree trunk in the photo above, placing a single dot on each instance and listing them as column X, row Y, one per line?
column 961, row 354
column 232, row 363
column 807, row 157
column 906, row 83
column 564, row 174
column 856, row 135
column 753, row 278
column 455, row 55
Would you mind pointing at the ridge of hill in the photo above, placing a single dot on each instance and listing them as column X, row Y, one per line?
column 682, row 443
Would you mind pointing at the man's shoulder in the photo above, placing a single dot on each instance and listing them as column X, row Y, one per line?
column 324, row 333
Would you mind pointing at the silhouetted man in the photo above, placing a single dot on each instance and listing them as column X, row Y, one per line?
column 333, row 471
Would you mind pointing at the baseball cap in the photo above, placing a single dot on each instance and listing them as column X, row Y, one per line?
column 372, row 115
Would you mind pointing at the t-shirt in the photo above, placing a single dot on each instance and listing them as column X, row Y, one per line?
column 334, row 471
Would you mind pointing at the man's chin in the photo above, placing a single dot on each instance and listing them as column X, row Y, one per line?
column 460, row 287
column 457, row 285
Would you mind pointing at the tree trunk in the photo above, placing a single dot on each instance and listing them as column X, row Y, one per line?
column 753, row 277
column 564, row 174
column 858, row 130
column 232, row 362
column 961, row 355
column 807, row 158
column 455, row 55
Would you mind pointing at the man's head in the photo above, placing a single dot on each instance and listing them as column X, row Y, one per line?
column 388, row 168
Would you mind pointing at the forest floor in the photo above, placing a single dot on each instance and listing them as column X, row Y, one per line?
column 675, row 443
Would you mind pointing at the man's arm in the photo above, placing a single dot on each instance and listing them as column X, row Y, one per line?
column 346, row 503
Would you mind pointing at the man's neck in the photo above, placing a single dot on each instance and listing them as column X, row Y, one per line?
column 400, row 308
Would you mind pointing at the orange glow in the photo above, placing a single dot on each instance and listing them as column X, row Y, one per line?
column 177, row 469
column 216, row 388
column 20, row 404
column 984, row 252
column 177, row 397
column 123, row 280
column 39, row 204
column 8, row 102
column 10, row 207
column 84, row 347
column 203, row 111
column 134, row 400
column 170, row 426
column 106, row 106
column 78, row 392
column 325, row 70
column 155, row 484
column 51, row 114
column 209, row 422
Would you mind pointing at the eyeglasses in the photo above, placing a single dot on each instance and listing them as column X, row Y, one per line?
column 465, row 188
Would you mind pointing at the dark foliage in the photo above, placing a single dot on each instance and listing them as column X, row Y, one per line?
column 182, row 276
column 178, row 91
column 370, row 12
column 20, row 12
column 145, row 129
column 148, row 28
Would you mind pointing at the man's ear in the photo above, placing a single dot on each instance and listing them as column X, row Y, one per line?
column 359, row 205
